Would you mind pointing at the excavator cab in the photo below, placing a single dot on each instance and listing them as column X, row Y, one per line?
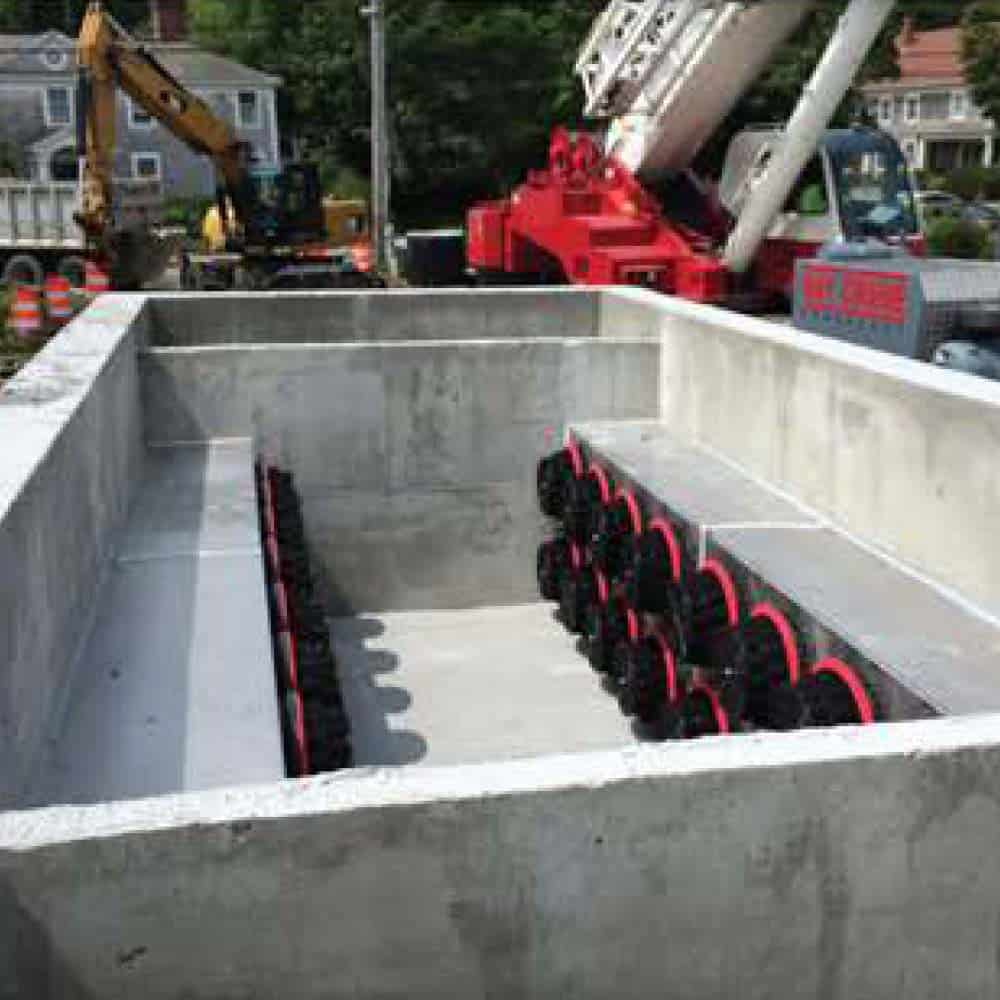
column 286, row 209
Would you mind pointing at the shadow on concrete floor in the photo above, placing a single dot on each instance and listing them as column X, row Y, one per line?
column 371, row 700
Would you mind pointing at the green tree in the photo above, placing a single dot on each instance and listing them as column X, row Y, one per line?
column 474, row 87
column 981, row 52
column 33, row 16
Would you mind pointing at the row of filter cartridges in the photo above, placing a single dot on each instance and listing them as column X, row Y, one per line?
column 677, row 642
column 315, row 725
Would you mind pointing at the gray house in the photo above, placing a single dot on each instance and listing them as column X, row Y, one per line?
column 38, row 114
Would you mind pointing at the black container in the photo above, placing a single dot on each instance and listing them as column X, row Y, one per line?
column 435, row 258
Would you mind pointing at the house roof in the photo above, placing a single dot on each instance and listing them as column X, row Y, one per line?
column 921, row 83
column 930, row 54
column 187, row 62
column 199, row 66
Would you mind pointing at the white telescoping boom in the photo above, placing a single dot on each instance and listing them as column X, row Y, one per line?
column 852, row 41
column 667, row 72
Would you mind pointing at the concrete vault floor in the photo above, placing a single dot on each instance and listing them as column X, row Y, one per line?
column 459, row 687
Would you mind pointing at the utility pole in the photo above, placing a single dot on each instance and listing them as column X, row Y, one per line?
column 375, row 12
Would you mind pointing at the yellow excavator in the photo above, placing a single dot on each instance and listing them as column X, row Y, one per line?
column 267, row 231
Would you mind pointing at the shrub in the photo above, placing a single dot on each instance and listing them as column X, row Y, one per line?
column 967, row 183
column 927, row 180
column 962, row 238
column 187, row 212
column 343, row 182
column 991, row 184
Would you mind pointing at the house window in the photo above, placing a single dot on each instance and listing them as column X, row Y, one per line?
column 64, row 164
column 137, row 117
column 54, row 59
column 911, row 109
column 958, row 105
column 146, row 166
column 910, row 149
column 58, row 107
column 885, row 110
column 248, row 103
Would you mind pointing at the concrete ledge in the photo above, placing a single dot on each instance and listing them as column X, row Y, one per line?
column 176, row 688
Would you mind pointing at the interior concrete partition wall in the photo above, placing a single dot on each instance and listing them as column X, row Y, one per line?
column 899, row 453
column 411, row 420
column 339, row 317
column 72, row 430
column 833, row 864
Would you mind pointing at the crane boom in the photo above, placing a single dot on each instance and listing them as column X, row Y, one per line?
column 856, row 33
column 667, row 72
column 109, row 58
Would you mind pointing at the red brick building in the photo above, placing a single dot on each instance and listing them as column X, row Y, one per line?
column 930, row 108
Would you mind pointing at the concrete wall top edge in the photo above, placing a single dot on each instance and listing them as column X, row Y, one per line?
column 528, row 291
column 876, row 362
column 38, row 403
column 353, row 346
column 187, row 319
column 391, row 787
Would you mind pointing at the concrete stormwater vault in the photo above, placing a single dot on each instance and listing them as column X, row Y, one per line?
column 506, row 835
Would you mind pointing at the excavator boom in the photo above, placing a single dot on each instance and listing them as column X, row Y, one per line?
column 109, row 59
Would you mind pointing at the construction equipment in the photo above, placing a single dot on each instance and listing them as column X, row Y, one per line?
column 39, row 234
column 271, row 225
column 664, row 74
column 944, row 311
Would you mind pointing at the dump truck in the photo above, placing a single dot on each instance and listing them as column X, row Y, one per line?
column 39, row 233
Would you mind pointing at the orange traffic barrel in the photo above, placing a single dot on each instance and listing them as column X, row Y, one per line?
column 57, row 301
column 97, row 280
column 361, row 256
column 26, row 312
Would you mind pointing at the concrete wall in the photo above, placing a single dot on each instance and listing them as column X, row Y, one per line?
column 350, row 317
column 72, row 429
column 842, row 864
column 414, row 446
column 825, row 865
column 900, row 453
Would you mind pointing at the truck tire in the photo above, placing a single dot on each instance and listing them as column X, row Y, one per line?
column 23, row 269
column 974, row 357
column 74, row 270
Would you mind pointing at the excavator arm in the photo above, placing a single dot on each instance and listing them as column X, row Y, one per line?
column 109, row 59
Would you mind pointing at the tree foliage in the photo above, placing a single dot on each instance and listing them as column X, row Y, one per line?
column 981, row 52
column 34, row 16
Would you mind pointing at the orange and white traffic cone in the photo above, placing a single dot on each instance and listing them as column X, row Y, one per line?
column 26, row 312
column 57, row 301
column 97, row 281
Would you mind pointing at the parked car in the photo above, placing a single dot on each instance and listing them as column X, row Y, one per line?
column 934, row 204
column 983, row 214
